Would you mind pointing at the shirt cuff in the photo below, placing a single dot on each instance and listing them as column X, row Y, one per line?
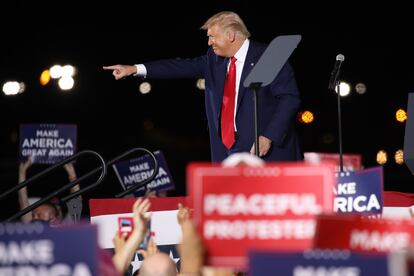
column 141, row 70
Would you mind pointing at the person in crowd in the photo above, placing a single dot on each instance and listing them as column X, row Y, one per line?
column 158, row 264
column 51, row 211
column 229, row 105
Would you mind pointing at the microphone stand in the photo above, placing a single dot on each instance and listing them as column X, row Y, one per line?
column 341, row 158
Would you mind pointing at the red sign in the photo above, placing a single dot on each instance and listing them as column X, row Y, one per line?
column 351, row 162
column 270, row 207
column 359, row 233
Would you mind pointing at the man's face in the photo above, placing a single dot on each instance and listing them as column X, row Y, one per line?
column 45, row 213
column 219, row 40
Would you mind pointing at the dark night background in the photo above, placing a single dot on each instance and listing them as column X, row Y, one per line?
column 112, row 116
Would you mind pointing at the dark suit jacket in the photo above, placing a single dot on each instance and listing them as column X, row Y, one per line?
column 278, row 102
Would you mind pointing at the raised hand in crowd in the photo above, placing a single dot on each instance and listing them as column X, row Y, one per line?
column 191, row 248
column 70, row 169
column 183, row 214
column 156, row 262
column 151, row 249
column 22, row 193
column 125, row 249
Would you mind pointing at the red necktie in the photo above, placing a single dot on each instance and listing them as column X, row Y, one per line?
column 227, row 108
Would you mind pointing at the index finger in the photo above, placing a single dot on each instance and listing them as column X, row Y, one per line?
column 111, row 67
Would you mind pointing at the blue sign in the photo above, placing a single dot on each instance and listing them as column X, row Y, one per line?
column 38, row 249
column 323, row 262
column 359, row 191
column 47, row 143
column 134, row 171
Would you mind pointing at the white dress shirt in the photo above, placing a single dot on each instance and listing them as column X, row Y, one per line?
column 241, row 57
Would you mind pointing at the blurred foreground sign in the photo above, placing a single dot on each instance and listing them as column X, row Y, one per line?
column 352, row 162
column 327, row 262
column 37, row 249
column 358, row 233
column 270, row 207
column 359, row 191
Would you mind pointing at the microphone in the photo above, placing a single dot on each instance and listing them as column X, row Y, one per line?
column 335, row 72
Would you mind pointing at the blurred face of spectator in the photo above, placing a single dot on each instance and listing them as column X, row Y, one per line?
column 158, row 264
column 46, row 213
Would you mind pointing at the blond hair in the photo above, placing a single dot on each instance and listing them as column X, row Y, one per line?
column 227, row 20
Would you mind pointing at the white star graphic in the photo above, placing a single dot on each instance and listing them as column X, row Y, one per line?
column 175, row 260
column 136, row 263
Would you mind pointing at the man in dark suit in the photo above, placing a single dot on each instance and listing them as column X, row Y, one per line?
column 225, row 66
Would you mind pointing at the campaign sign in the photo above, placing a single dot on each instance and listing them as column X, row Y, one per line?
column 269, row 207
column 326, row 262
column 37, row 249
column 134, row 171
column 47, row 143
column 359, row 233
column 359, row 191
column 351, row 162
column 164, row 224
